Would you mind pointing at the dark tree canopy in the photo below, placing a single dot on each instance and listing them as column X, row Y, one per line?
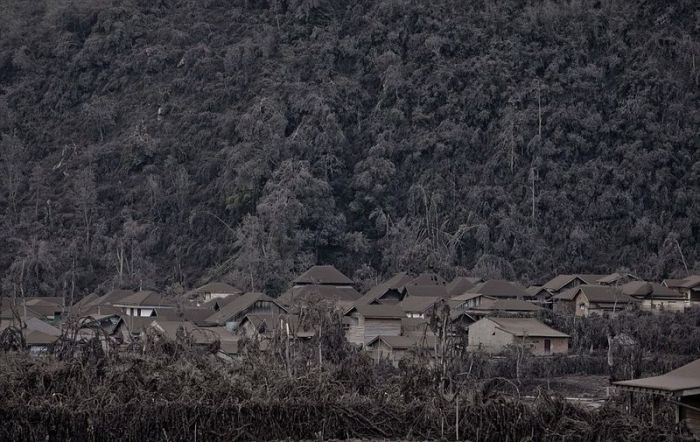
column 157, row 143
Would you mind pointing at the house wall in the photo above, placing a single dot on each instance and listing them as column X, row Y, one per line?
column 691, row 417
column 536, row 345
column 567, row 308
column 374, row 327
column 485, row 335
column 356, row 330
column 656, row 306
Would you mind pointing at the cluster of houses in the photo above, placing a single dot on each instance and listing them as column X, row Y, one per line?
column 390, row 320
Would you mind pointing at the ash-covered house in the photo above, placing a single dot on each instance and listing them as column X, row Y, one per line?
column 394, row 348
column 489, row 290
column 494, row 335
column 232, row 313
column 655, row 297
column 144, row 304
column 688, row 287
column 586, row 300
column 419, row 306
column 365, row 322
column 388, row 292
column 322, row 283
column 213, row 290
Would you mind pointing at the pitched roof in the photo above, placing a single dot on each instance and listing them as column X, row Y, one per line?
column 526, row 327
column 396, row 282
column 323, row 275
column 382, row 311
column 673, row 283
column 648, row 290
column 35, row 337
column 418, row 304
column 533, row 291
column 36, row 324
column 604, row 294
column 439, row 291
column 405, row 342
column 691, row 282
column 217, row 287
column 686, row 377
column 507, row 305
column 560, row 281
column 112, row 297
column 239, row 305
column 614, row 277
column 459, row 285
column 498, row 288
column 332, row 293
column 428, row 278
column 145, row 298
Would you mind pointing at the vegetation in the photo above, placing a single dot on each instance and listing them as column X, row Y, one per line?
column 153, row 143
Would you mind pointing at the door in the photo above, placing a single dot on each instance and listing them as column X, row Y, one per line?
column 547, row 346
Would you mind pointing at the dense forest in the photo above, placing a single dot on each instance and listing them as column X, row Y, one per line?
column 166, row 143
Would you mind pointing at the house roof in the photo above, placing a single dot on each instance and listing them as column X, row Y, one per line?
column 35, row 337
column 648, row 290
column 418, row 304
column 332, row 293
column 146, row 298
column 507, row 305
column 604, row 294
column 382, row 311
column 691, row 282
column 499, row 288
column 592, row 292
column 396, row 282
column 427, row 278
column 459, row 285
column 217, row 287
column 526, row 327
column 194, row 314
column 36, row 324
column 405, row 342
column 533, row 291
column 614, row 277
column 439, row 291
column 238, row 305
column 323, row 275
column 686, row 377
column 112, row 297
column 560, row 281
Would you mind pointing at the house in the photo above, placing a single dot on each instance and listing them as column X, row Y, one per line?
column 340, row 297
column 205, row 338
column 461, row 284
column 510, row 306
column 428, row 278
column 688, row 287
column 394, row 348
column 388, row 292
column 561, row 283
column 416, row 327
column 38, row 342
column 323, row 275
column 585, row 300
column 540, row 296
column 366, row 322
column 232, row 313
column 493, row 335
column 430, row 291
column 418, row 306
column 145, row 304
column 213, row 290
column 617, row 279
column 498, row 288
column 266, row 326
column 44, row 308
column 680, row 386
column 655, row 297
column 102, row 305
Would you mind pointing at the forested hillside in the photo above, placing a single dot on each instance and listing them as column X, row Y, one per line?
column 157, row 143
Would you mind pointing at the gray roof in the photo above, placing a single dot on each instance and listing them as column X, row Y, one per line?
column 526, row 327
column 560, row 281
column 323, row 275
column 239, row 305
column 382, row 311
column 145, row 298
column 418, row 304
column 459, row 285
column 396, row 282
column 650, row 290
column 498, row 288
column 512, row 305
column 217, row 287
column 428, row 278
column 439, row 291
column 328, row 292
column 686, row 377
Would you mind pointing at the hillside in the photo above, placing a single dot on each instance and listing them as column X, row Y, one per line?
column 162, row 143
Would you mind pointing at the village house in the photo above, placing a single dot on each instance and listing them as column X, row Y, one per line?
column 617, row 279
column 655, row 297
column 321, row 283
column 366, row 322
column 493, row 335
column 213, row 290
column 540, row 296
column 205, row 338
column 498, row 288
column 388, row 292
column 394, row 348
column 688, row 287
column 461, row 284
column 493, row 306
column 144, row 304
column 102, row 305
column 419, row 306
column 561, row 283
column 429, row 291
column 232, row 313
column 680, row 386
column 585, row 300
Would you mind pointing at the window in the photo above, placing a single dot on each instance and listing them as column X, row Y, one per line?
column 547, row 345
